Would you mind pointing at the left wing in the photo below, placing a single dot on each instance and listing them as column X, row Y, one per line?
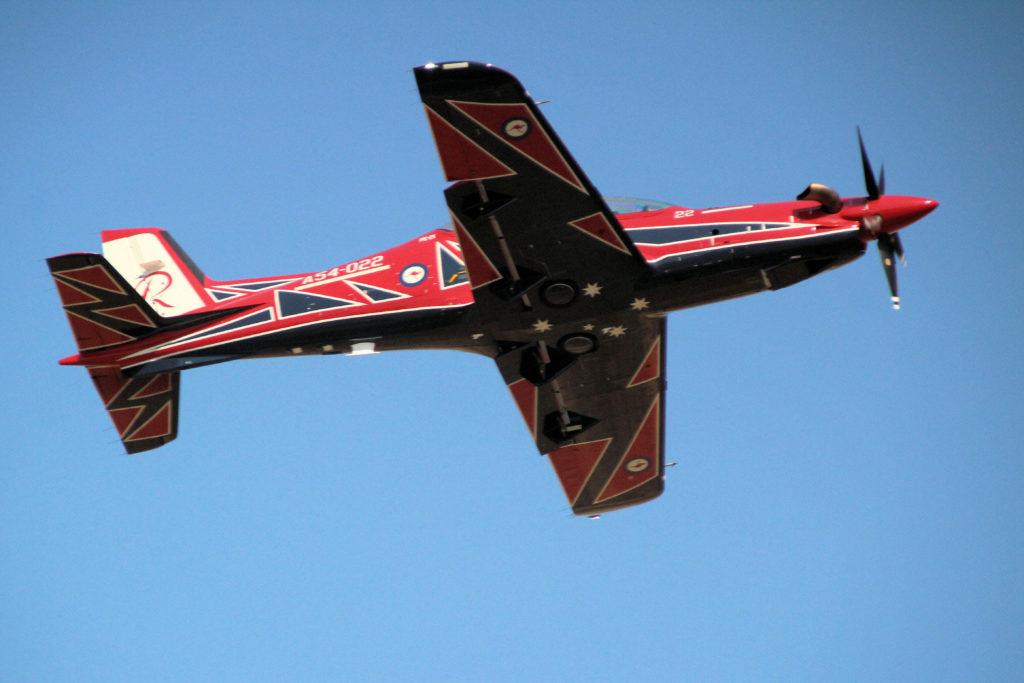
column 555, row 281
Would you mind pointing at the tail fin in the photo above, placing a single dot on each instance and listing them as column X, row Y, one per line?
column 103, row 310
column 158, row 269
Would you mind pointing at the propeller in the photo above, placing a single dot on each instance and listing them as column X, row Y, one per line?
column 889, row 244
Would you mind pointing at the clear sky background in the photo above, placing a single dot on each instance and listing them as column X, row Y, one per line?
column 849, row 498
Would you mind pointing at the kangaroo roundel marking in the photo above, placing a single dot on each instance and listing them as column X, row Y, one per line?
column 637, row 465
column 515, row 128
column 413, row 274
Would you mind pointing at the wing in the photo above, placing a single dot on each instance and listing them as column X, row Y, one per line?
column 555, row 281
column 601, row 421
column 525, row 213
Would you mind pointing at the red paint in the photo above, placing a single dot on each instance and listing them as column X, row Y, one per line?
column 461, row 158
column 644, row 445
column 574, row 465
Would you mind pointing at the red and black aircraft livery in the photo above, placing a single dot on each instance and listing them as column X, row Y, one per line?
column 567, row 296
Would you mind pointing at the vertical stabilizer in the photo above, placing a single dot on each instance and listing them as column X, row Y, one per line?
column 158, row 269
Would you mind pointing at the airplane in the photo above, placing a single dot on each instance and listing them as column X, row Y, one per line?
column 535, row 271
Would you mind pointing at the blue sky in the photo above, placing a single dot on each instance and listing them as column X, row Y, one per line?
column 848, row 500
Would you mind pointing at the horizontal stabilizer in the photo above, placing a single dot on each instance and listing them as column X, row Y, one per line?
column 102, row 308
column 144, row 410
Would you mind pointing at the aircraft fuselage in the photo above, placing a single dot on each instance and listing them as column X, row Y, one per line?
column 695, row 257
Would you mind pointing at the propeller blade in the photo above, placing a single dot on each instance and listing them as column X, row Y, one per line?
column 898, row 247
column 881, row 180
column 885, row 250
column 869, row 175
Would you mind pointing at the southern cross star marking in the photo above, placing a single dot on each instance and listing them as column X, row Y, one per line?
column 592, row 290
column 639, row 304
column 588, row 327
column 541, row 326
column 616, row 331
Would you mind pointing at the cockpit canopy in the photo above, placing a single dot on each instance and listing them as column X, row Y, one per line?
column 620, row 205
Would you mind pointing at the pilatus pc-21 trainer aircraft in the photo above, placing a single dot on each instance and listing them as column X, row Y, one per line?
column 537, row 273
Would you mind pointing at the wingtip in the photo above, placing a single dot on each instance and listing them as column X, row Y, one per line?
column 462, row 72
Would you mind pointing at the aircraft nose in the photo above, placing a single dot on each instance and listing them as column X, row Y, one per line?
column 902, row 211
column 924, row 207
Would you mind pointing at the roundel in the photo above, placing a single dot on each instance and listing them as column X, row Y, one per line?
column 515, row 128
column 413, row 274
column 637, row 465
